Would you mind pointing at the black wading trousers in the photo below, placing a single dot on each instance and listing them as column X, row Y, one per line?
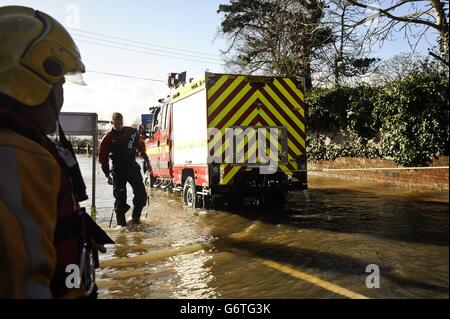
column 122, row 176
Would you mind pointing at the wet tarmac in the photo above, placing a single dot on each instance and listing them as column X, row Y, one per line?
column 319, row 248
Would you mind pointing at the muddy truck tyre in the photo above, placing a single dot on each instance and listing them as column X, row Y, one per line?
column 190, row 193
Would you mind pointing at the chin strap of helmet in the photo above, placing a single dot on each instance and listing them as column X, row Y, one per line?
column 66, row 151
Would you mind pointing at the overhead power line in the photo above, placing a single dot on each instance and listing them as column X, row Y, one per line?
column 126, row 76
column 147, row 48
column 149, row 53
column 145, row 43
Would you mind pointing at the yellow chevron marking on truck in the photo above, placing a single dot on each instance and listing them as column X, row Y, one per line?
column 289, row 97
column 285, row 170
column 249, row 119
column 253, row 149
column 286, row 104
column 225, row 94
column 272, row 109
column 253, row 132
column 246, row 138
column 270, row 138
column 239, row 147
column 266, row 117
column 246, row 122
column 222, row 169
column 291, row 145
column 217, row 86
column 293, row 163
column 298, row 92
column 236, row 116
column 230, row 175
column 285, row 108
column 252, row 153
column 283, row 121
column 229, row 107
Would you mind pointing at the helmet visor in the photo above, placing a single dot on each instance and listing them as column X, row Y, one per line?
column 75, row 78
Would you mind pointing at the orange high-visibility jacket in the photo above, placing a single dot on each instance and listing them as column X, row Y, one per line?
column 29, row 184
column 35, row 196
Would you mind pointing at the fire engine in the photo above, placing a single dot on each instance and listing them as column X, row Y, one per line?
column 229, row 136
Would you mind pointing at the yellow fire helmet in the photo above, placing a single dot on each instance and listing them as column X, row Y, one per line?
column 36, row 52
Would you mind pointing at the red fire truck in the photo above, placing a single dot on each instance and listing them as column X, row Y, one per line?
column 232, row 136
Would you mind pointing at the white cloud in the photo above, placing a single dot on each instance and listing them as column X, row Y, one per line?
column 106, row 95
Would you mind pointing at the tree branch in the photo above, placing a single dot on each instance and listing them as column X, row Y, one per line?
column 441, row 59
column 386, row 13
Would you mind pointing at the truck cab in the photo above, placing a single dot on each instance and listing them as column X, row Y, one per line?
column 158, row 141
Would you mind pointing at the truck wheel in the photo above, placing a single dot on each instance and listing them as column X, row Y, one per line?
column 190, row 193
column 274, row 199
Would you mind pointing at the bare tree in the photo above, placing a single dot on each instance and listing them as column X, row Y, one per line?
column 402, row 65
column 348, row 52
column 396, row 68
column 415, row 18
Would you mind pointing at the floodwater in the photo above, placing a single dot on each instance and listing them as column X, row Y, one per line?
column 319, row 248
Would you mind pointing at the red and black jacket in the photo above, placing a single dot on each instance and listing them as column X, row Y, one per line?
column 122, row 147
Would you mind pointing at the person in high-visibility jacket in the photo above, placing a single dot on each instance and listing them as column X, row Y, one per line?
column 122, row 144
column 40, row 183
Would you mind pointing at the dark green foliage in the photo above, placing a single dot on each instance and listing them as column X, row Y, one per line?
column 327, row 109
column 413, row 114
column 357, row 67
column 406, row 120
column 354, row 146
column 242, row 13
column 331, row 110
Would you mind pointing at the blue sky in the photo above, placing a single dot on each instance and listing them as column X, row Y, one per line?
column 187, row 25
column 183, row 24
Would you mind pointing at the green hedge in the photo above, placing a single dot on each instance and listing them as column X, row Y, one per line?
column 405, row 120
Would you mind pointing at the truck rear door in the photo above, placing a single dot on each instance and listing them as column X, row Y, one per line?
column 256, row 106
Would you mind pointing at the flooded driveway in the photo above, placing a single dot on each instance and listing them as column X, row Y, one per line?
column 319, row 248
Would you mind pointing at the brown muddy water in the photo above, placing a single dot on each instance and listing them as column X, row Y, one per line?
column 312, row 249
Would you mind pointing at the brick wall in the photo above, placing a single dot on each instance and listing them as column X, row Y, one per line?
column 436, row 179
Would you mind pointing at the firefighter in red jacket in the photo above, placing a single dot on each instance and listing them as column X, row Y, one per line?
column 121, row 145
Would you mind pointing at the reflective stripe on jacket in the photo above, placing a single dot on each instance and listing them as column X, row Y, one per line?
column 29, row 183
column 35, row 197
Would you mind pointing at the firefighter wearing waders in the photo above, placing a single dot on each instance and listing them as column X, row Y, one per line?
column 121, row 145
column 43, row 230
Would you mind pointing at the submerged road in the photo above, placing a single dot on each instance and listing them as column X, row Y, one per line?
column 319, row 248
